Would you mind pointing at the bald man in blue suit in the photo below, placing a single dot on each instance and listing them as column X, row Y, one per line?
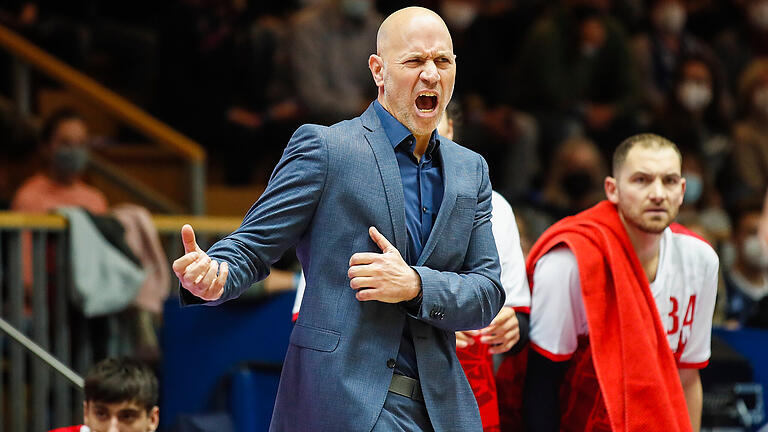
column 392, row 227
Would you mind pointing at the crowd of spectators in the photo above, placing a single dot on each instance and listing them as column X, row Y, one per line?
column 546, row 89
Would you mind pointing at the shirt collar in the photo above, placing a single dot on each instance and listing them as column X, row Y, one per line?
column 397, row 132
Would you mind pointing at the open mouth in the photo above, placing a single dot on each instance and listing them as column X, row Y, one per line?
column 426, row 102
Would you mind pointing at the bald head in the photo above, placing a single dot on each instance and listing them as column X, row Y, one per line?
column 396, row 26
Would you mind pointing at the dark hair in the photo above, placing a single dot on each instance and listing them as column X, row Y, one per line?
column 53, row 121
column 645, row 140
column 715, row 114
column 453, row 112
column 122, row 379
column 744, row 207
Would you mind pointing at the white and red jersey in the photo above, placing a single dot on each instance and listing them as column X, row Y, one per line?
column 507, row 236
column 684, row 291
column 79, row 428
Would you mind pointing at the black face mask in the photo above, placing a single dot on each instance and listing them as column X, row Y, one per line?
column 577, row 184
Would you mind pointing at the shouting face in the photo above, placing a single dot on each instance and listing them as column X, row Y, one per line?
column 415, row 68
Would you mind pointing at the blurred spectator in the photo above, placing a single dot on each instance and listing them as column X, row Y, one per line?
column 17, row 152
column 695, row 114
column 121, row 394
column 659, row 51
column 58, row 27
column 739, row 45
column 747, row 177
column 262, row 109
column 325, row 37
column 702, row 203
column 507, row 137
column 576, row 179
column 577, row 74
column 747, row 279
column 708, row 18
column 64, row 152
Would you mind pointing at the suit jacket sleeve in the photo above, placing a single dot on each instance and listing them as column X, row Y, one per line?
column 278, row 219
column 470, row 298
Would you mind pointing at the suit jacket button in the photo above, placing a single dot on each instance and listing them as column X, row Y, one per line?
column 391, row 363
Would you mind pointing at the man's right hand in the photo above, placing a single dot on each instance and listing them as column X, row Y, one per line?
column 197, row 272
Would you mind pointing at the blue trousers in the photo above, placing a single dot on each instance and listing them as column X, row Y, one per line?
column 403, row 414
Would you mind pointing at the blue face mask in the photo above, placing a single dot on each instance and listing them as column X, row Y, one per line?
column 694, row 187
column 355, row 9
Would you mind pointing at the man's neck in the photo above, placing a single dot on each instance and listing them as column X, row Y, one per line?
column 647, row 247
column 422, row 142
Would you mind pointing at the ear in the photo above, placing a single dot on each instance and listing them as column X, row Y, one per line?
column 682, row 192
column 376, row 65
column 154, row 419
column 85, row 413
column 611, row 190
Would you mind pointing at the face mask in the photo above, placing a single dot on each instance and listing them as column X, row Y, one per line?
column 68, row 162
column 577, row 184
column 670, row 19
column 758, row 15
column 754, row 252
column 694, row 96
column 355, row 9
column 760, row 100
column 694, row 187
column 458, row 14
column 588, row 49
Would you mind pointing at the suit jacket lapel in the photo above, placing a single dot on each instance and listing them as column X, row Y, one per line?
column 446, row 207
column 390, row 176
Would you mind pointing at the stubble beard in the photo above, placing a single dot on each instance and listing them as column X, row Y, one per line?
column 650, row 226
column 404, row 114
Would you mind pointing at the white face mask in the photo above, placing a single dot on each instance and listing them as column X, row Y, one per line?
column 458, row 14
column 758, row 15
column 754, row 252
column 670, row 18
column 589, row 50
column 694, row 96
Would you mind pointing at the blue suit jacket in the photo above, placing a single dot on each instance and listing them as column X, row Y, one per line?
column 331, row 184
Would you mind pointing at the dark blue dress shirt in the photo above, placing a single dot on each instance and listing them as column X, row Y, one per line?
column 422, row 181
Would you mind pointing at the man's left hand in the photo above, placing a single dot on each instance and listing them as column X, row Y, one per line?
column 382, row 276
column 503, row 332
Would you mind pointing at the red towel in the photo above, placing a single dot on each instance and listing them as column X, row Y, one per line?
column 635, row 367
column 478, row 366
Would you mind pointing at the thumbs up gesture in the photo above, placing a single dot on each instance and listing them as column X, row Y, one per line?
column 382, row 276
column 197, row 272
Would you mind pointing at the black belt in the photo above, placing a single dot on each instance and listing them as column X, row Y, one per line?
column 406, row 386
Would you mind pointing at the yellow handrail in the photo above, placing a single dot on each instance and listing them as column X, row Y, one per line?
column 112, row 102
column 165, row 224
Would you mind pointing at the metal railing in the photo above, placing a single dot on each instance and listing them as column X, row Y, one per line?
column 41, row 328
column 26, row 55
